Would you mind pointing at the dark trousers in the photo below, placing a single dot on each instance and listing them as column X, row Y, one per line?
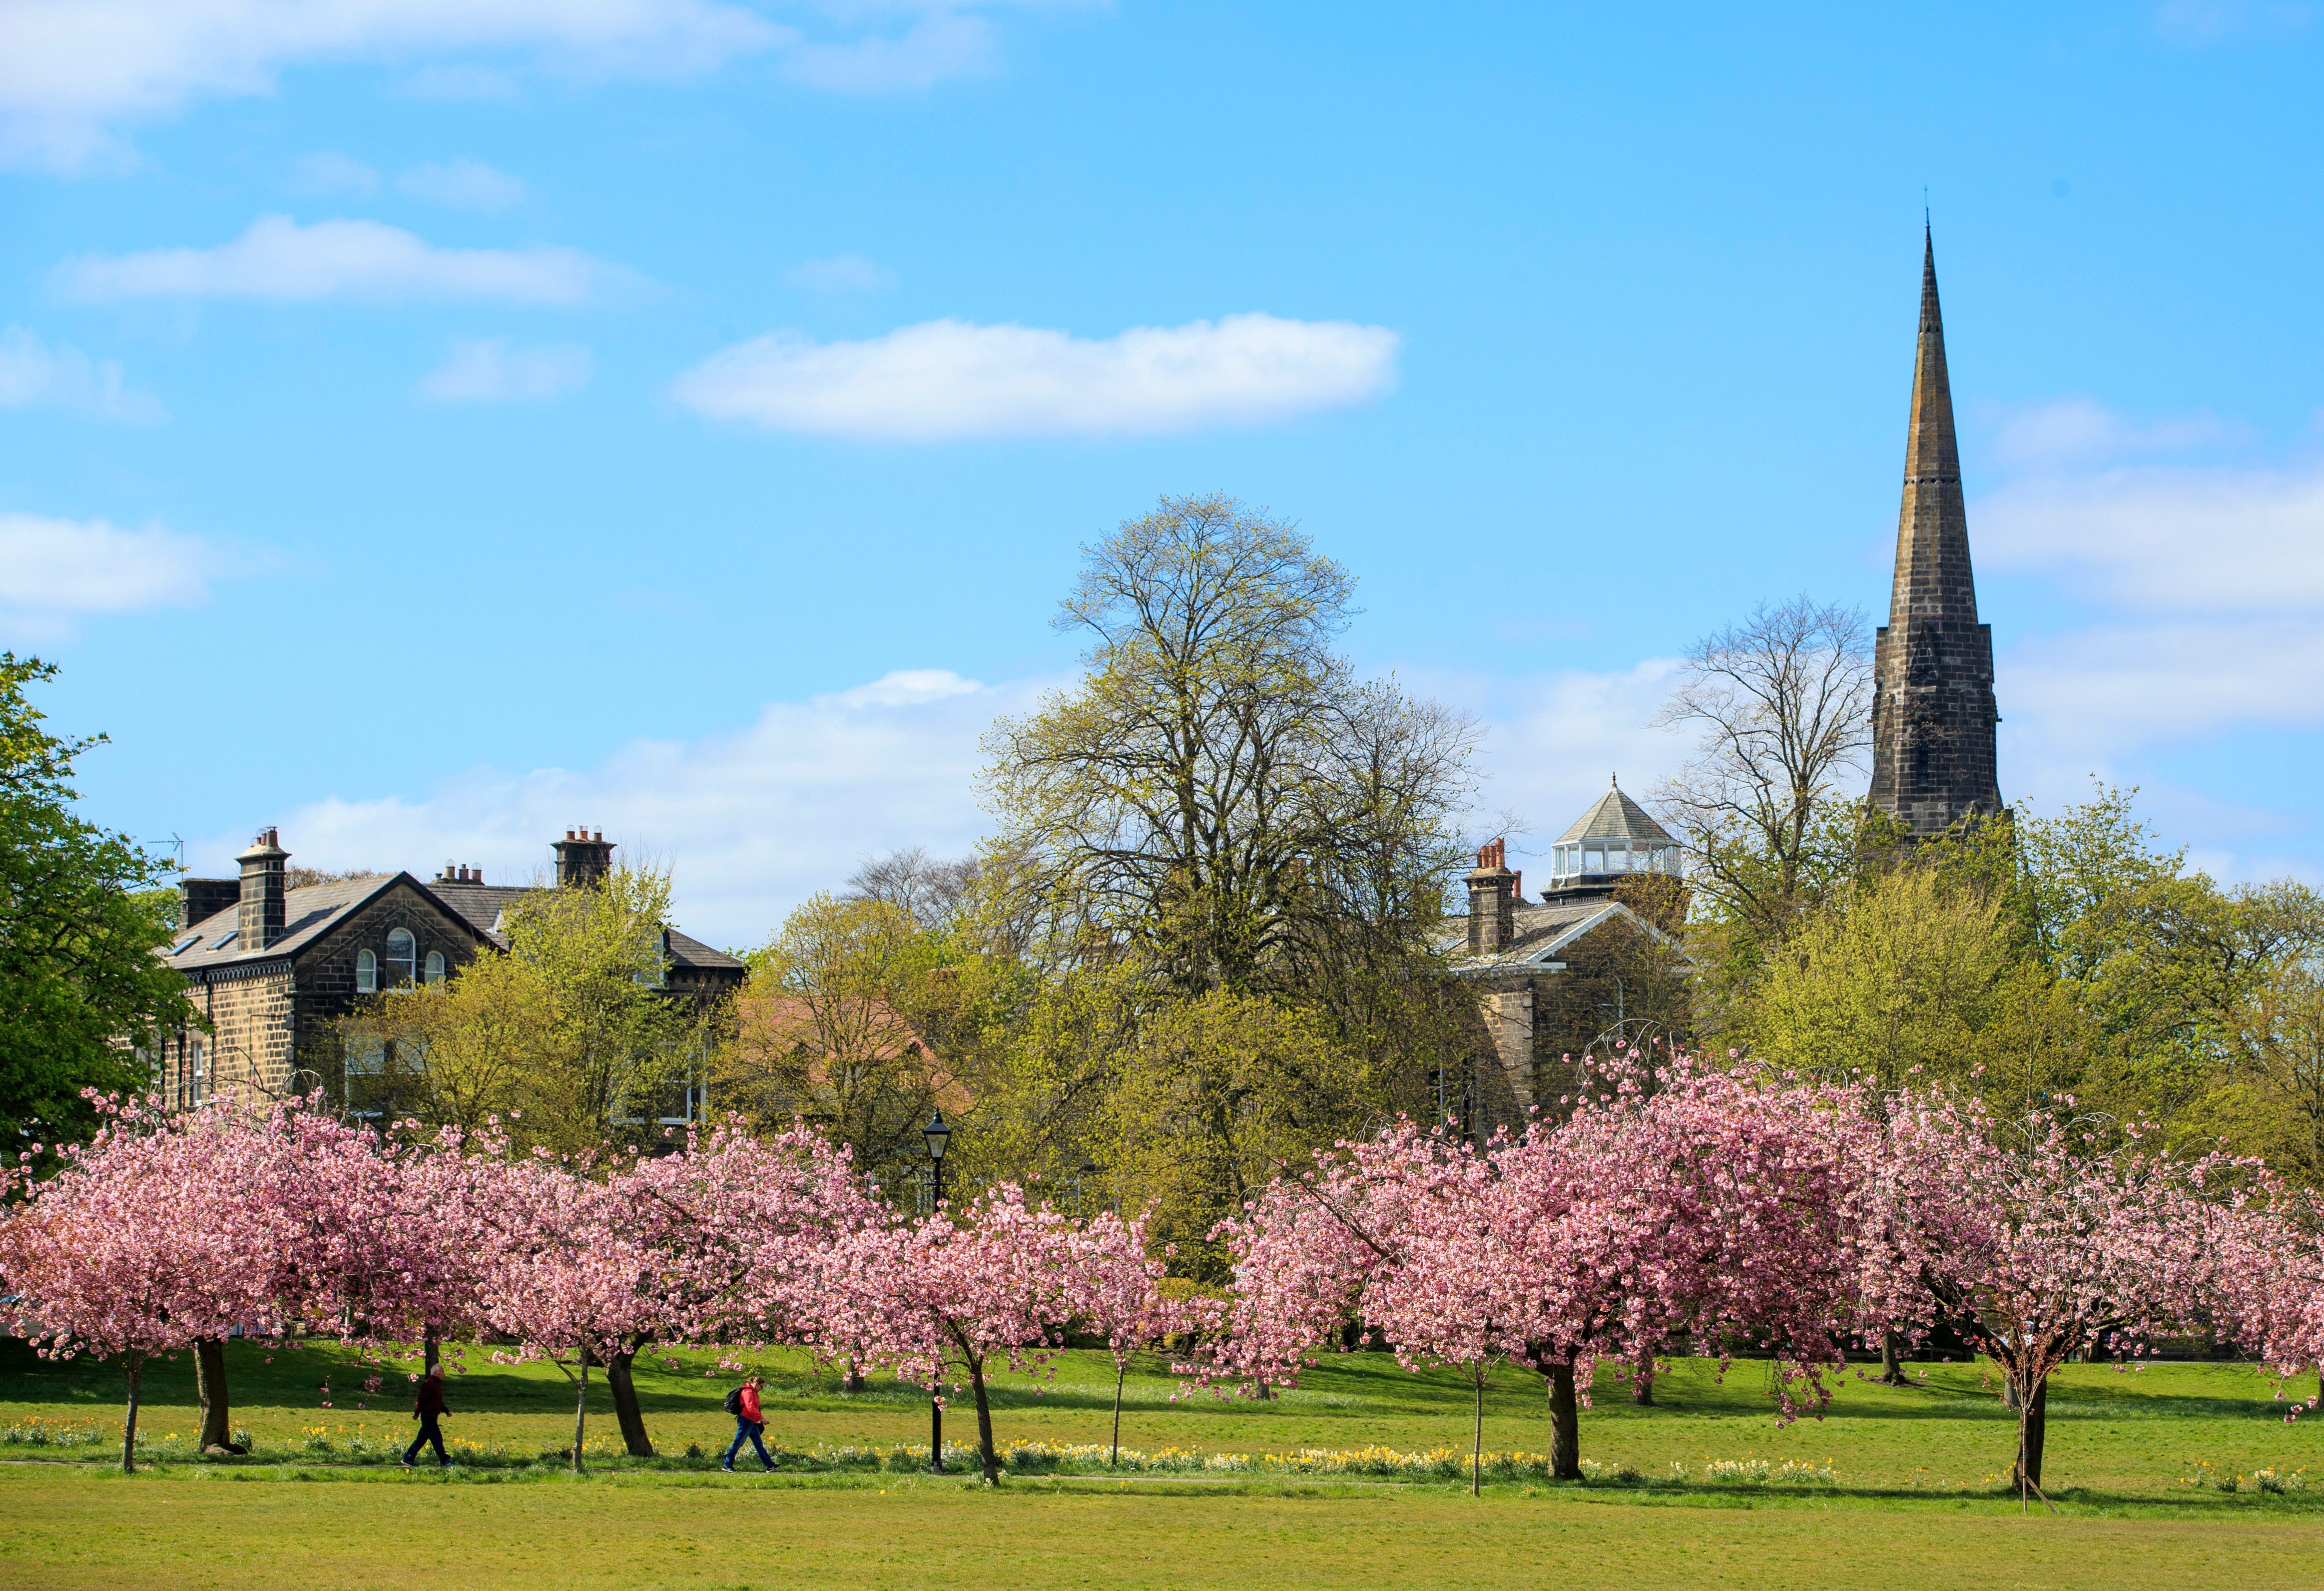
column 746, row 1426
column 430, row 1432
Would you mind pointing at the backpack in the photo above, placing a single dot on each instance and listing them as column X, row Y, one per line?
column 734, row 1400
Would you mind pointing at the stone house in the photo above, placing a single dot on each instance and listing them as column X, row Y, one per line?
column 1554, row 977
column 274, row 968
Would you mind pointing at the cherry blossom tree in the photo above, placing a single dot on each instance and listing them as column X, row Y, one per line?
column 938, row 1298
column 740, row 1230
column 144, row 1241
column 1672, row 1199
column 1116, row 1290
column 2038, row 1238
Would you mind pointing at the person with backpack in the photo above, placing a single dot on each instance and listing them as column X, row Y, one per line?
column 743, row 1403
column 428, row 1408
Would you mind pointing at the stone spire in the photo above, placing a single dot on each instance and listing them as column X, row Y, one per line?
column 1933, row 707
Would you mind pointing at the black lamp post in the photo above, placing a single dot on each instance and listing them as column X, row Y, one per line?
column 939, row 1136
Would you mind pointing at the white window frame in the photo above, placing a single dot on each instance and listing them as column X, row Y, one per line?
column 434, row 968
column 367, row 972
column 409, row 962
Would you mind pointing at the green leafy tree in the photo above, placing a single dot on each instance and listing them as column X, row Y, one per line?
column 1901, row 978
column 569, row 1038
column 81, row 990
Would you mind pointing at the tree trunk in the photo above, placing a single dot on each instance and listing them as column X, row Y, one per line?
column 936, row 1430
column 1642, row 1380
column 2032, row 1426
column 209, row 1386
column 1564, row 1425
column 1892, row 1367
column 580, row 1407
column 853, row 1380
column 135, row 1364
column 1120, row 1374
column 984, row 1424
column 625, row 1404
column 432, row 1351
column 1477, row 1449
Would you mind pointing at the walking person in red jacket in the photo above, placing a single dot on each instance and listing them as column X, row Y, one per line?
column 428, row 1408
column 743, row 1405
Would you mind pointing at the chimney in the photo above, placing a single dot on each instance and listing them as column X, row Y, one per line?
column 261, row 909
column 200, row 899
column 1491, row 914
column 582, row 859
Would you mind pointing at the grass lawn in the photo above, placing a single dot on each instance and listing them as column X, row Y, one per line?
column 2142, row 1467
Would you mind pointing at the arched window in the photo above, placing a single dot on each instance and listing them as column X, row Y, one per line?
column 402, row 958
column 435, row 966
column 367, row 972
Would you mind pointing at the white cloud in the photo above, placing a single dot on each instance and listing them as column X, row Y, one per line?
column 942, row 45
column 74, row 74
column 2213, row 541
column 73, row 71
column 491, row 370
column 462, row 184
column 2080, row 432
column 1552, row 742
column 2200, row 22
column 751, row 822
column 53, row 572
column 2205, row 583
column 327, row 171
column 2090, row 694
column 841, row 273
column 948, row 378
column 33, row 375
column 278, row 259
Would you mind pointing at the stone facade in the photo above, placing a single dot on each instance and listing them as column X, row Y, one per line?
column 275, row 969
column 1934, row 711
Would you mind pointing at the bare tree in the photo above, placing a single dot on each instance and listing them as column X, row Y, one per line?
column 1783, row 702
column 928, row 889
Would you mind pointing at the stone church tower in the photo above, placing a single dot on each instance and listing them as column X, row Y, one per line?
column 1933, row 707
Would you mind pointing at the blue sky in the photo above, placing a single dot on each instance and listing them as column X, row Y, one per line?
column 425, row 426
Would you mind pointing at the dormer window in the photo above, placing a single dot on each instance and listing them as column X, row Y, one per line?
column 402, row 959
column 367, row 972
column 435, row 968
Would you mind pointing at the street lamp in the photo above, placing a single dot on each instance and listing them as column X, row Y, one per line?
column 939, row 1136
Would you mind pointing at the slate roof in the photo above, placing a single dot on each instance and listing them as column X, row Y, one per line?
column 1618, row 817
column 697, row 957
column 307, row 915
column 1542, row 931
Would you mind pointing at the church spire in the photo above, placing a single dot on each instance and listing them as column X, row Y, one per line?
column 1932, row 568
column 1932, row 714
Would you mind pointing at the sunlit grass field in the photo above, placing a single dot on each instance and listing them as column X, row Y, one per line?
column 2181, row 1474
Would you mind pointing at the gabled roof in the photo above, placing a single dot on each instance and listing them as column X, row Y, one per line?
column 693, row 956
column 307, row 915
column 1618, row 817
column 1541, row 932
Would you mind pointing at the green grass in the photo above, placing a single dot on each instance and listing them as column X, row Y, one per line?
column 1914, row 1497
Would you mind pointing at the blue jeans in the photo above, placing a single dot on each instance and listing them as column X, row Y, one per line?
column 746, row 1426
column 428, row 1432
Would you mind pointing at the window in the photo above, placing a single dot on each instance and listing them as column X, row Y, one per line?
column 190, row 940
column 200, row 1070
column 402, row 958
column 366, row 1057
column 435, row 967
column 367, row 972
column 224, row 940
